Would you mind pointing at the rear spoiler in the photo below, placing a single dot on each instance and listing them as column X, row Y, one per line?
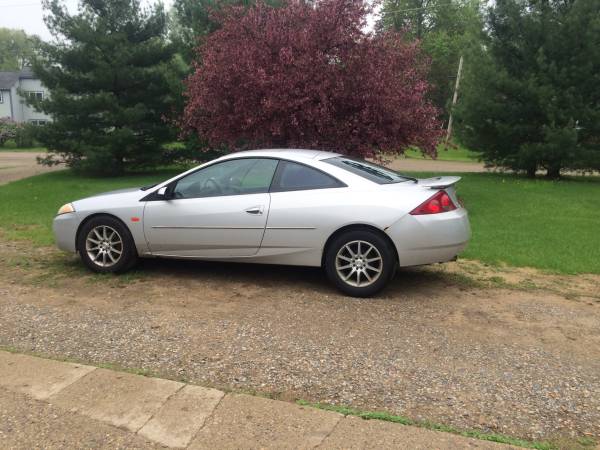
column 438, row 182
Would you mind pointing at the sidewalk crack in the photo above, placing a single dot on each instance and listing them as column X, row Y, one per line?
column 161, row 407
column 330, row 431
column 76, row 380
column 207, row 419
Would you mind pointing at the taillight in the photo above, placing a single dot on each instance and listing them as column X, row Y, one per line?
column 439, row 203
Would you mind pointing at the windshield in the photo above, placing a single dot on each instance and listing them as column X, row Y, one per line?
column 370, row 171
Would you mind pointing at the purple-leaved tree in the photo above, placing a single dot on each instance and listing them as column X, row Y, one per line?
column 307, row 75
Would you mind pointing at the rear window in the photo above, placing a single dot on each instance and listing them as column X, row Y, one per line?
column 370, row 171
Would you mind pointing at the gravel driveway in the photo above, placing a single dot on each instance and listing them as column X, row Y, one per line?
column 433, row 346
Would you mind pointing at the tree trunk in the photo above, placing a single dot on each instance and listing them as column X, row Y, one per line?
column 553, row 173
column 531, row 172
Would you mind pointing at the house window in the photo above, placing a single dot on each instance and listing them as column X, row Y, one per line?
column 38, row 122
column 35, row 95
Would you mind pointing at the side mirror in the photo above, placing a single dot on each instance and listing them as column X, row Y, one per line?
column 164, row 193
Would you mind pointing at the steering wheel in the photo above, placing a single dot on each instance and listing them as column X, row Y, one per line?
column 214, row 183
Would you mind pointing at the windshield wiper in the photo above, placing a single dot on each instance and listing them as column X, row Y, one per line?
column 150, row 186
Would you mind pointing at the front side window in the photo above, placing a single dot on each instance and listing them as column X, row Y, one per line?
column 232, row 177
column 294, row 177
column 368, row 170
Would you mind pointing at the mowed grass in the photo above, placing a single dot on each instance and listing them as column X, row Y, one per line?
column 446, row 153
column 552, row 225
column 24, row 149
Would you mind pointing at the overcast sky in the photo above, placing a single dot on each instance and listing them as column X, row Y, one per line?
column 28, row 15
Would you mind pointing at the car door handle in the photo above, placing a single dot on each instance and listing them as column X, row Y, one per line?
column 255, row 210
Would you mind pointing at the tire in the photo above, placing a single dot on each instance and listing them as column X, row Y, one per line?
column 378, row 262
column 113, row 237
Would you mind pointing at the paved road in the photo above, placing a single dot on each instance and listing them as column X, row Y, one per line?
column 50, row 404
column 17, row 165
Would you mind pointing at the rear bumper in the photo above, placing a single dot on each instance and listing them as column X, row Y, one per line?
column 432, row 238
column 65, row 231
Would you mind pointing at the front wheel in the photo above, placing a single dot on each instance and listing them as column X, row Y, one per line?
column 106, row 245
column 360, row 263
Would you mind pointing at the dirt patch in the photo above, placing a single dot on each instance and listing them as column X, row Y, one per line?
column 17, row 165
column 441, row 344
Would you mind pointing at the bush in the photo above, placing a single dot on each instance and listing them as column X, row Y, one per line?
column 8, row 130
column 25, row 136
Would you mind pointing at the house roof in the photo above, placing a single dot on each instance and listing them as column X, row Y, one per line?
column 8, row 79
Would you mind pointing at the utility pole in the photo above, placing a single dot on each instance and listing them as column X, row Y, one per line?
column 454, row 99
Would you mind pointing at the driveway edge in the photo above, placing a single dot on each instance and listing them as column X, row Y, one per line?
column 180, row 415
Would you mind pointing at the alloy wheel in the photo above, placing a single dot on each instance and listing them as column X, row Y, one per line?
column 359, row 263
column 104, row 246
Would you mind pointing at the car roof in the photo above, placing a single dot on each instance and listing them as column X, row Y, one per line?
column 285, row 153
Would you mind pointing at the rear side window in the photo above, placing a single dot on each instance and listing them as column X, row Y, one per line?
column 368, row 170
column 292, row 176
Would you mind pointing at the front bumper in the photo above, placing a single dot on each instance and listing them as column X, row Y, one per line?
column 432, row 238
column 65, row 231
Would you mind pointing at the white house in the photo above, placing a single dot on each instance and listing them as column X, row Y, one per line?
column 12, row 104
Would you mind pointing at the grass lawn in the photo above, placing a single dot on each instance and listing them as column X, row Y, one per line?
column 447, row 154
column 545, row 224
column 552, row 225
column 24, row 149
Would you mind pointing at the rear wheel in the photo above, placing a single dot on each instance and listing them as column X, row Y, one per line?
column 360, row 263
column 106, row 245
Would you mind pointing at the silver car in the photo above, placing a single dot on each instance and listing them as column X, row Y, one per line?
column 357, row 220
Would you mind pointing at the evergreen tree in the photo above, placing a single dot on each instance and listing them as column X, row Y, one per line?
column 107, row 75
column 531, row 99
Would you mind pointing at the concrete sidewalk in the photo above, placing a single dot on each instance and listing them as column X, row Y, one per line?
column 50, row 404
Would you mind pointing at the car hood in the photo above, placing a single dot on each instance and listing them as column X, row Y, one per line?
column 118, row 191
column 109, row 200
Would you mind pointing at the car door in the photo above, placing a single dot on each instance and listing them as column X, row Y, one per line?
column 219, row 211
column 305, row 202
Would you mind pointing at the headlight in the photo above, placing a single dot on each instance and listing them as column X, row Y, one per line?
column 64, row 209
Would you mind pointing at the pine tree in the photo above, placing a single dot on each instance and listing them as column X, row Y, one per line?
column 531, row 99
column 106, row 73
